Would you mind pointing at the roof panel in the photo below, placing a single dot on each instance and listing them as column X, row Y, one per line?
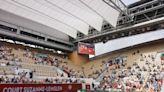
column 128, row 2
column 70, row 21
column 67, row 16
column 39, row 18
column 107, row 12
column 92, row 19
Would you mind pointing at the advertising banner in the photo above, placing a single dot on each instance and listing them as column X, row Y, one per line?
column 40, row 87
column 85, row 48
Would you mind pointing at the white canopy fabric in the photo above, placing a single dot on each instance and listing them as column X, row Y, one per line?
column 101, row 8
column 128, row 2
column 17, row 9
column 89, row 17
column 67, row 16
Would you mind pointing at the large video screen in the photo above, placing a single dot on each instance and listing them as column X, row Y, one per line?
column 85, row 48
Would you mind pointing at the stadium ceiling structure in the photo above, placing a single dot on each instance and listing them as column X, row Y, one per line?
column 139, row 17
column 67, row 16
column 61, row 24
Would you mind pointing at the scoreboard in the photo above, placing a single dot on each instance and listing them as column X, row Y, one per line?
column 85, row 48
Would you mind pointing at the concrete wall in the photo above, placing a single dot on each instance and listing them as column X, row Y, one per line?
column 78, row 59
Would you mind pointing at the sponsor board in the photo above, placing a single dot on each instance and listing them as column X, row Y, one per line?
column 40, row 87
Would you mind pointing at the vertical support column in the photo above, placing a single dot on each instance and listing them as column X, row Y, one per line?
column 18, row 30
column 45, row 38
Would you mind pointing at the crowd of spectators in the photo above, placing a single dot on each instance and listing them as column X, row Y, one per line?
column 8, row 58
column 145, row 76
column 45, row 59
column 25, row 80
column 136, row 77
